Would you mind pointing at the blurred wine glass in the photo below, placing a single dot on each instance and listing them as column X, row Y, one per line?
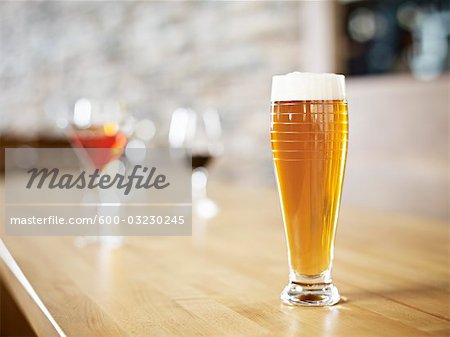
column 98, row 125
column 200, row 133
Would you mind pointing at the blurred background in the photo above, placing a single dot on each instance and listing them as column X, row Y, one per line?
column 157, row 57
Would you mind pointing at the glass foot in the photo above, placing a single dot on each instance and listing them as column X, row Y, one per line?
column 310, row 295
column 113, row 242
column 205, row 208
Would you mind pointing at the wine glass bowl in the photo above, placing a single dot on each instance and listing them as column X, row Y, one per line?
column 94, row 125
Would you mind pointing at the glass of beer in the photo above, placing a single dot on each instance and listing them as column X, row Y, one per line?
column 309, row 137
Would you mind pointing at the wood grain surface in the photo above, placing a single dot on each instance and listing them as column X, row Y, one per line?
column 391, row 269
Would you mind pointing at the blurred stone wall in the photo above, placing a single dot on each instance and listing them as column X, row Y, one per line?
column 155, row 56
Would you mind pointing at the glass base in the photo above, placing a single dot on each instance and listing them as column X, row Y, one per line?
column 113, row 242
column 310, row 295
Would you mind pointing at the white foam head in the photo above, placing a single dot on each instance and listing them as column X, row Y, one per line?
column 299, row 86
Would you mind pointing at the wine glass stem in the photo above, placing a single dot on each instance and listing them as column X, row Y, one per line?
column 199, row 182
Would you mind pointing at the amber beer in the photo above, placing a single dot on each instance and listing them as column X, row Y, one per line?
column 309, row 137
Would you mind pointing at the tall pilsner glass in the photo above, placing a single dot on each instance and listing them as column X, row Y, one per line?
column 309, row 136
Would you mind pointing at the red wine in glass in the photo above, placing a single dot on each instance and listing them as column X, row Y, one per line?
column 201, row 160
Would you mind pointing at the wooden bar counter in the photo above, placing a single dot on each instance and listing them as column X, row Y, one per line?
column 391, row 269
